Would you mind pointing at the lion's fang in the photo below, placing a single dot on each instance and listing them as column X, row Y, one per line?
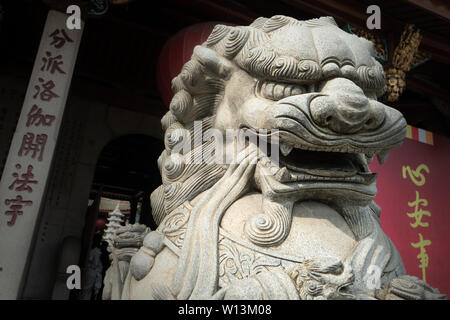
column 285, row 149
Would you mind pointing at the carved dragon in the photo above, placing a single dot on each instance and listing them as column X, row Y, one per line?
column 255, row 228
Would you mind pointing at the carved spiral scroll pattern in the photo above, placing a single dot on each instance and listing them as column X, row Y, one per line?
column 181, row 104
column 219, row 32
column 174, row 166
column 174, row 225
column 271, row 227
column 372, row 77
column 259, row 22
column 157, row 202
column 237, row 262
column 253, row 49
column 285, row 66
column 259, row 60
column 175, row 136
column 235, row 40
column 276, row 22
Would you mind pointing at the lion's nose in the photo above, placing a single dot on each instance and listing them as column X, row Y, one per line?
column 343, row 107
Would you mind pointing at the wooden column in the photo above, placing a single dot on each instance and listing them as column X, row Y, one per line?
column 88, row 234
column 133, row 210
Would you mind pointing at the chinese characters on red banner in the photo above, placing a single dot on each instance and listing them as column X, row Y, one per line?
column 33, row 142
column 419, row 214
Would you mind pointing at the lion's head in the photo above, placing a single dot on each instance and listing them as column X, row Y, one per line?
column 308, row 80
column 324, row 279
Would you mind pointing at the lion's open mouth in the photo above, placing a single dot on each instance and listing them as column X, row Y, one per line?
column 296, row 164
column 307, row 165
column 327, row 173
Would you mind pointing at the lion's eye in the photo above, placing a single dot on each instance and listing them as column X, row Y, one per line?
column 277, row 91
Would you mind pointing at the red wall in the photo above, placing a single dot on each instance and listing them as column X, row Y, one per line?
column 397, row 194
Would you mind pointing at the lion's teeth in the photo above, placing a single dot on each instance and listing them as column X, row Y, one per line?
column 285, row 149
column 283, row 175
column 369, row 157
column 382, row 156
column 273, row 170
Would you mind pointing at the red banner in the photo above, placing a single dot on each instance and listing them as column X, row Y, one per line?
column 414, row 193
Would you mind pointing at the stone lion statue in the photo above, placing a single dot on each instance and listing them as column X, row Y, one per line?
column 125, row 243
column 302, row 226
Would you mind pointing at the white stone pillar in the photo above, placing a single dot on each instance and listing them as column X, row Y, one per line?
column 24, row 178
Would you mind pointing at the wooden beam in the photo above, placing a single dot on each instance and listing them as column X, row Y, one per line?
column 95, row 91
column 419, row 113
column 424, row 88
column 117, row 98
column 344, row 12
column 414, row 114
column 437, row 7
column 354, row 13
column 120, row 23
column 438, row 47
column 215, row 9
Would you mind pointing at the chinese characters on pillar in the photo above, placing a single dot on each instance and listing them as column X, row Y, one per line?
column 419, row 214
column 39, row 117
column 28, row 164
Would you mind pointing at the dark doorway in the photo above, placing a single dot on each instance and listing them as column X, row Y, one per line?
column 126, row 171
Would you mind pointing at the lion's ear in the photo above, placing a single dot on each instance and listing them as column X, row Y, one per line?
column 212, row 62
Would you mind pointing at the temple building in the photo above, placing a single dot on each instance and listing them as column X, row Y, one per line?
column 94, row 152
